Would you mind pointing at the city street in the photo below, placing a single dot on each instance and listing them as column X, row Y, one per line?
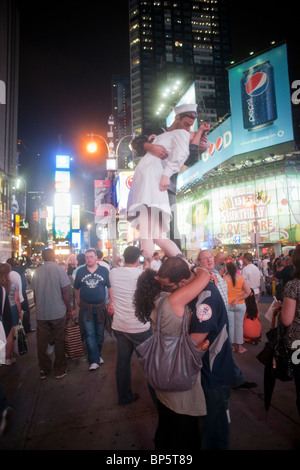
column 80, row 411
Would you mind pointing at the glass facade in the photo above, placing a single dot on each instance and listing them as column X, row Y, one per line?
column 230, row 215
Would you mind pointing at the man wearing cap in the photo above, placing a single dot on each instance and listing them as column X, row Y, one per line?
column 185, row 116
column 148, row 202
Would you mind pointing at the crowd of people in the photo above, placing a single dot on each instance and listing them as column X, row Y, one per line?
column 221, row 294
column 221, row 297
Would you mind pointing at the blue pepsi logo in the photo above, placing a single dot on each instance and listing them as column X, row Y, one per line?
column 257, row 84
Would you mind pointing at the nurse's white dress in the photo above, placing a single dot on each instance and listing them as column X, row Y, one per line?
column 145, row 192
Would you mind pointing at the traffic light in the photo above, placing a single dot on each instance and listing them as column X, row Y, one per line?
column 35, row 216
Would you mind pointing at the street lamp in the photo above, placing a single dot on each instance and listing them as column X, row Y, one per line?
column 132, row 136
column 92, row 146
column 111, row 167
column 89, row 229
column 250, row 203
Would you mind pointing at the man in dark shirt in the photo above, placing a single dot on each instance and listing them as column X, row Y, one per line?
column 285, row 273
column 89, row 288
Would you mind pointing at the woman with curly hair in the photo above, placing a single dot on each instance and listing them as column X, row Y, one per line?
column 179, row 412
column 7, row 318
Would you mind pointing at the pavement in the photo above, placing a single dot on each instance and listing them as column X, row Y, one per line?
column 80, row 411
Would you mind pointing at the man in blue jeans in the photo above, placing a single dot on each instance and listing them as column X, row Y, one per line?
column 128, row 330
column 89, row 288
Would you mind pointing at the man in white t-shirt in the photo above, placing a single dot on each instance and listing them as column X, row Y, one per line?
column 155, row 262
column 100, row 260
column 251, row 273
column 128, row 330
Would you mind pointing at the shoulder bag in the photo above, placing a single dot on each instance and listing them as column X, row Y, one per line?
column 171, row 363
column 73, row 340
column 20, row 343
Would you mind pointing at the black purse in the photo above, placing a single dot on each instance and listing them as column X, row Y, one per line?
column 276, row 351
column 21, row 346
column 284, row 368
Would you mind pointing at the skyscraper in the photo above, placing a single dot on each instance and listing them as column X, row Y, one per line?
column 122, row 118
column 9, row 74
column 172, row 44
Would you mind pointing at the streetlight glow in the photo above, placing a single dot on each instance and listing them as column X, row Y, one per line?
column 92, row 147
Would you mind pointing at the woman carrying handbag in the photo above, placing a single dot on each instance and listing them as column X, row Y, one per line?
column 179, row 412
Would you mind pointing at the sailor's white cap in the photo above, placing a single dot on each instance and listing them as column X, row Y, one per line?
column 186, row 108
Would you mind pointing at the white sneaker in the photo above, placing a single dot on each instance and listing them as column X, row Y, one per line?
column 94, row 366
column 101, row 360
column 11, row 361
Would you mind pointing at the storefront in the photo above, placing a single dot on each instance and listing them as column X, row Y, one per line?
column 258, row 207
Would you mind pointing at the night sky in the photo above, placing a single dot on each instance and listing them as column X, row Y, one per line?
column 68, row 54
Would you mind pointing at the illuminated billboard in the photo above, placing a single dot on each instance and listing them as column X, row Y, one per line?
column 102, row 200
column 234, row 137
column 62, row 181
column 261, row 102
column 123, row 187
column 75, row 217
column 62, row 204
column 49, row 220
column 62, row 162
column 76, row 240
column 221, row 148
column 227, row 215
column 62, row 227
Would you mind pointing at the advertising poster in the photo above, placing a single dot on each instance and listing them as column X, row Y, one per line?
column 102, row 200
column 260, row 101
column 229, row 215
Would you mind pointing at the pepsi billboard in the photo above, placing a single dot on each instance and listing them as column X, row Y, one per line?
column 260, row 101
column 221, row 148
column 260, row 113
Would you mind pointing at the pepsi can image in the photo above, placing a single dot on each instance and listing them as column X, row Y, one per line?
column 258, row 96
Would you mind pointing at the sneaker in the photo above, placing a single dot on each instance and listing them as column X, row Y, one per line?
column 101, row 360
column 60, row 376
column 43, row 375
column 5, row 420
column 94, row 366
column 11, row 361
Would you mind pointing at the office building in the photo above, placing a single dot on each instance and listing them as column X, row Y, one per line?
column 9, row 60
column 172, row 44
